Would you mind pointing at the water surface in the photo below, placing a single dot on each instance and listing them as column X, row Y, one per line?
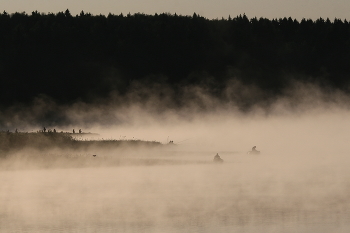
column 244, row 194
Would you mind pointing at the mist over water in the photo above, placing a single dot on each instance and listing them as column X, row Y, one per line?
column 299, row 183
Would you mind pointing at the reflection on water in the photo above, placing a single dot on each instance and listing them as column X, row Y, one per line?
column 241, row 195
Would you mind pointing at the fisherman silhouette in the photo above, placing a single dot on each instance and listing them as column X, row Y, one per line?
column 73, row 131
column 217, row 158
column 254, row 151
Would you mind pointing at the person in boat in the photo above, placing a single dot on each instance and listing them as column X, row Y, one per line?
column 217, row 158
column 254, row 150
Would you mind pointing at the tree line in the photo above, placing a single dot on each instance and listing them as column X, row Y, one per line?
column 84, row 57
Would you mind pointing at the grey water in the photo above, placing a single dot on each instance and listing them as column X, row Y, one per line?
column 265, row 193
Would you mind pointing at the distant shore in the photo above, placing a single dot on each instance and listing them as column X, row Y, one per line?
column 10, row 141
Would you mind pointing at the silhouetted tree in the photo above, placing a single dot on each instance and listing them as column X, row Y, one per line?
column 82, row 57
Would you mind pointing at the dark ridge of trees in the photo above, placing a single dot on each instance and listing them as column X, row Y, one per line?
column 86, row 56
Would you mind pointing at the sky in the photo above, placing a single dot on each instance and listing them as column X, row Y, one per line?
column 211, row 9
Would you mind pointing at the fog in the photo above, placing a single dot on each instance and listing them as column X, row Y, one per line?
column 298, row 183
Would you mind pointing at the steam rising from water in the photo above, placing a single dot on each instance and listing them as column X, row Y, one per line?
column 299, row 183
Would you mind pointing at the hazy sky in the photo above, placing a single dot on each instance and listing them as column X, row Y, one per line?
column 208, row 8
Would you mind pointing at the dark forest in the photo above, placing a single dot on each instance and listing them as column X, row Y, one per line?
column 87, row 57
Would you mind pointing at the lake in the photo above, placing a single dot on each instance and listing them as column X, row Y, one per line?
column 265, row 193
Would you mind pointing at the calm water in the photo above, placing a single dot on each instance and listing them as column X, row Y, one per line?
column 245, row 194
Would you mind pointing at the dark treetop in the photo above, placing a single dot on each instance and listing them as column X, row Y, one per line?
column 86, row 56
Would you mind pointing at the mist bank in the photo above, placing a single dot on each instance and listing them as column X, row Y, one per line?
column 144, row 106
column 87, row 58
